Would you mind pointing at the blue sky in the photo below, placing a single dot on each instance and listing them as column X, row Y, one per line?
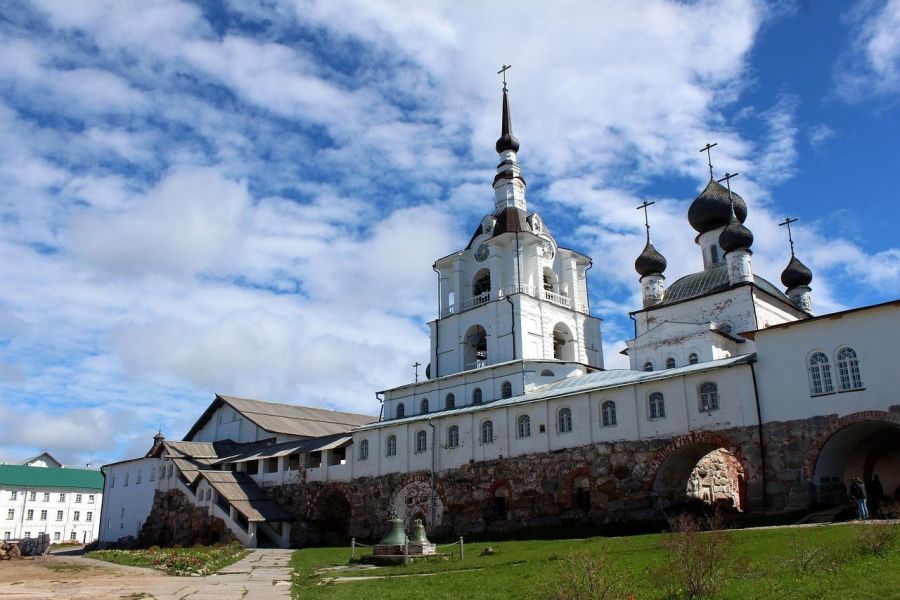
column 247, row 198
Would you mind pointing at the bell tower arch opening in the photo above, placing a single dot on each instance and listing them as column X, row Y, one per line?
column 563, row 343
column 481, row 283
column 475, row 353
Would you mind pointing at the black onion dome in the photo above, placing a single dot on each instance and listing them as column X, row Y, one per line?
column 735, row 237
column 650, row 262
column 712, row 208
column 507, row 140
column 796, row 274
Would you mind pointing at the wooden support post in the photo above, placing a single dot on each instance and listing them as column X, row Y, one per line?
column 462, row 549
column 406, row 551
column 352, row 548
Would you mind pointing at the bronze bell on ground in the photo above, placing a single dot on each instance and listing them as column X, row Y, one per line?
column 418, row 533
column 396, row 535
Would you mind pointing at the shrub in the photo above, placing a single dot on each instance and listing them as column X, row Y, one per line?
column 811, row 556
column 695, row 562
column 582, row 575
column 875, row 538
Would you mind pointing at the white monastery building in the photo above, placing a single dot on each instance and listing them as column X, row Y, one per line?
column 42, row 496
column 737, row 395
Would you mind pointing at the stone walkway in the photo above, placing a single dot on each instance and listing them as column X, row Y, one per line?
column 263, row 574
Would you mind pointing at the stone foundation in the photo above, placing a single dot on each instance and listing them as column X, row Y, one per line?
column 175, row 520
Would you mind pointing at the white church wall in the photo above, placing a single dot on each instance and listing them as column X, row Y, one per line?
column 228, row 424
column 783, row 354
column 769, row 312
column 128, row 498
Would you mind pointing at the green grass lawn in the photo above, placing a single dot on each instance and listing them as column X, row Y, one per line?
column 201, row 560
column 766, row 565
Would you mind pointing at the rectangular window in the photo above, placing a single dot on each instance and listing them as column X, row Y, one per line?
column 62, row 497
column 10, row 514
column 27, row 535
column 72, row 536
column 89, row 517
column 7, row 535
column 29, row 516
column 78, row 498
column 43, row 515
column 59, row 515
column 76, row 516
column 90, row 498
column 46, row 496
column 56, row 536
column 32, row 496
column 13, row 495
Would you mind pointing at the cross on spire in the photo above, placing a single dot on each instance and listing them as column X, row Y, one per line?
column 788, row 221
column 707, row 149
column 644, row 206
column 503, row 71
column 416, row 366
column 727, row 179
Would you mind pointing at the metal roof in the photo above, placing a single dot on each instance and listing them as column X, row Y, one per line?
column 49, row 477
column 712, row 281
column 288, row 419
column 598, row 380
column 294, row 447
column 241, row 491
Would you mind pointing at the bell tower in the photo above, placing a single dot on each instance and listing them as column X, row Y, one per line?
column 512, row 293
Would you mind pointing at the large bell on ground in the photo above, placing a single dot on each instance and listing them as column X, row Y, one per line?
column 418, row 533
column 396, row 535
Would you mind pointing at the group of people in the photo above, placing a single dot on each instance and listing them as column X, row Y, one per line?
column 859, row 496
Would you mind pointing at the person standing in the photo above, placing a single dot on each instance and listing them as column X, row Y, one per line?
column 858, row 494
column 876, row 493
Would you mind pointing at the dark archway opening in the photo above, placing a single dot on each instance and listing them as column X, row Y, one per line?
column 334, row 518
column 701, row 478
column 869, row 450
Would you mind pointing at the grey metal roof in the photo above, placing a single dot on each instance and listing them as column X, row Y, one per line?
column 712, row 281
column 288, row 419
column 285, row 448
column 598, row 380
column 241, row 491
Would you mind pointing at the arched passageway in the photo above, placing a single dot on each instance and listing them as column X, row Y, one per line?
column 700, row 473
column 864, row 449
column 333, row 518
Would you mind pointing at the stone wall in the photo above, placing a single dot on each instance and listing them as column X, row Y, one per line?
column 175, row 520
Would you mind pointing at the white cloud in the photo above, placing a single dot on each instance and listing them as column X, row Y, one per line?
column 819, row 134
column 872, row 64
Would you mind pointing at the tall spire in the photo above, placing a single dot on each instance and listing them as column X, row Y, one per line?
column 509, row 185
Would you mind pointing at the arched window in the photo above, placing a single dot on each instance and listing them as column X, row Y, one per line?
column 140, row 474
column 523, row 426
column 670, row 363
column 563, row 343
column 487, row 432
column 475, row 348
column 506, row 390
column 608, row 414
column 423, row 406
column 481, row 283
column 401, row 411
column 391, row 445
column 476, row 396
column 820, row 374
column 848, row 369
column 421, row 441
column 657, row 406
column 126, row 478
column 709, row 397
column 693, row 359
column 501, row 502
column 450, row 401
column 564, row 420
column 453, row 437
column 364, row 450
column 648, row 366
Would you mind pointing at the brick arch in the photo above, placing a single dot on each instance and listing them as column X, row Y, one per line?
column 331, row 487
column 823, row 437
column 566, row 495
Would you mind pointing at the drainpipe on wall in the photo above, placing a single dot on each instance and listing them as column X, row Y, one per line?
column 380, row 410
column 759, row 428
column 433, row 450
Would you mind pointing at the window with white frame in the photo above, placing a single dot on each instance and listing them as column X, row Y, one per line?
column 89, row 517
column 78, row 498
column 401, row 410
column 608, row 414
column 450, row 401
column 62, row 497
column 76, row 516
column 13, row 495
column 152, row 474
column 127, row 475
column 693, row 359
column 140, row 474
column 10, row 514
column 90, row 498
column 670, row 363
column 421, row 441
column 391, row 445
column 820, row 374
column 476, row 396
column 453, row 437
column 648, row 366
column 32, row 496
column 423, row 406
column 29, row 515
column 7, row 535
column 506, row 390
column 27, row 535
column 709, row 397
column 43, row 515
column 523, row 426
column 564, row 420
column 59, row 515
column 73, row 537
column 56, row 536
column 657, row 408
column 364, row 450
column 487, row 432
column 849, row 377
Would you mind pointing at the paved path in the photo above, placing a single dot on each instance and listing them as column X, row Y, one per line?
column 262, row 575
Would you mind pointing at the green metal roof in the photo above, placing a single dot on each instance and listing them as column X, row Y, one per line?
column 49, row 477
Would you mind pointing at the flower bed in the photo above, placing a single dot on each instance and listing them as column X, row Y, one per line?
column 198, row 560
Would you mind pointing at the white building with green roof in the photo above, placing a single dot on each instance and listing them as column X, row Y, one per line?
column 45, row 497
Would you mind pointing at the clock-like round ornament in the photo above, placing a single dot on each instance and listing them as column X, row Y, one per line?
column 481, row 253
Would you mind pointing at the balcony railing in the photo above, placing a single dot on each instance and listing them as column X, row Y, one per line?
column 484, row 298
column 475, row 365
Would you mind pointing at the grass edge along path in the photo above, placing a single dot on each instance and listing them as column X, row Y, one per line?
column 841, row 561
column 196, row 560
